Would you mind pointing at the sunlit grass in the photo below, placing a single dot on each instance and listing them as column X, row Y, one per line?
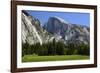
column 32, row 58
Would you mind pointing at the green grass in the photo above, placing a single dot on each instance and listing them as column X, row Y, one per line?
column 32, row 58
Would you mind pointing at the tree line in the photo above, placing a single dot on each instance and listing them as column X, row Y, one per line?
column 55, row 48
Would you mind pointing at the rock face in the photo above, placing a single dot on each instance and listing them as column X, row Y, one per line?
column 67, row 31
column 55, row 28
column 32, row 32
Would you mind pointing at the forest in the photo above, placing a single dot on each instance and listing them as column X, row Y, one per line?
column 55, row 48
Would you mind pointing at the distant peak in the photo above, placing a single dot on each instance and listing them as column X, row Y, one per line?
column 61, row 19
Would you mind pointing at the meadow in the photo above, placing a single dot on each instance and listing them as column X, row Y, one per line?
column 33, row 58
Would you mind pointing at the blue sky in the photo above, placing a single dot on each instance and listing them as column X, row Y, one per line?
column 71, row 17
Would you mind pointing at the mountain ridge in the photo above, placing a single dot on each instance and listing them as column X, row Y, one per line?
column 55, row 28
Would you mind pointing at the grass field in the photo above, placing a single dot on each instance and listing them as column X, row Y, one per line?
column 32, row 58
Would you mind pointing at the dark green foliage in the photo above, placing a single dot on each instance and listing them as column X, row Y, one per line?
column 72, row 49
column 60, row 48
column 84, row 49
column 55, row 48
column 24, row 47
